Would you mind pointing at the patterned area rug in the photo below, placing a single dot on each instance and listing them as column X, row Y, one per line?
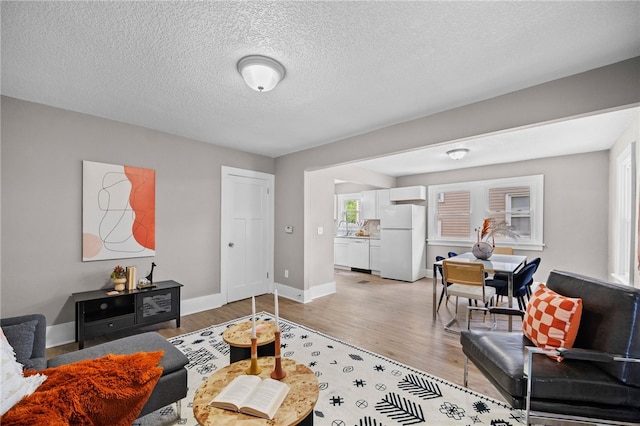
column 357, row 387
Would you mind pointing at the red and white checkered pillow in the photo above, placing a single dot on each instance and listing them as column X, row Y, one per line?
column 552, row 320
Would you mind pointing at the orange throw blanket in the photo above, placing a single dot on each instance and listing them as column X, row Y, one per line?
column 106, row 391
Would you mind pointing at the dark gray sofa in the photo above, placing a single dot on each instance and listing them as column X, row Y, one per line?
column 172, row 386
column 588, row 384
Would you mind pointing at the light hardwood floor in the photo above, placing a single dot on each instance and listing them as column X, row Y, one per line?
column 391, row 318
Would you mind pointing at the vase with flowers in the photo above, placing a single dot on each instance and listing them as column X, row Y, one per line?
column 119, row 277
column 491, row 227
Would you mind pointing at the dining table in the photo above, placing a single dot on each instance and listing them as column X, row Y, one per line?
column 507, row 264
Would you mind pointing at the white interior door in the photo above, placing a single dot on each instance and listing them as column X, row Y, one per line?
column 246, row 267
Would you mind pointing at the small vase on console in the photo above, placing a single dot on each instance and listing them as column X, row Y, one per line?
column 482, row 250
column 119, row 284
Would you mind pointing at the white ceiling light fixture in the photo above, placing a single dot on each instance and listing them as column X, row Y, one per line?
column 457, row 153
column 260, row 72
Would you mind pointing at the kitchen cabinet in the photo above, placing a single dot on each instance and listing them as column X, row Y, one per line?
column 383, row 201
column 351, row 253
column 408, row 193
column 368, row 205
column 374, row 256
column 373, row 203
column 341, row 251
column 359, row 253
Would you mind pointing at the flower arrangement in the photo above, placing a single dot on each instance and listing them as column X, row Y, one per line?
column 492, row 227
column 118, row 272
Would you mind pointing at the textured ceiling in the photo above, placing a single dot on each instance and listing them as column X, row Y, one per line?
column 352, row 67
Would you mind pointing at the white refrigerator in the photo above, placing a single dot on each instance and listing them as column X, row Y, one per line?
column 403, row 233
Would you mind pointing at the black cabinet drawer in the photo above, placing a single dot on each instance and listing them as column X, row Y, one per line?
column 109, row 325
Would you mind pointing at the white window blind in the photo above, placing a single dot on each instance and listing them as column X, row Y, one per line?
column 456, row 209
column 454, row 214
column 512, row 204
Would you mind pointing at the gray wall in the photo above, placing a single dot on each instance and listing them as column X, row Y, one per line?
column 319, row 190
column 576, row 212
column 598, row 90
column 42, row 153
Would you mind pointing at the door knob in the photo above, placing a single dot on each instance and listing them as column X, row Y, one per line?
column 231, row 244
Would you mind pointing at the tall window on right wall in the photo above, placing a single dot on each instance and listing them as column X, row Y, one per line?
column 456, row 210
column 623, row 239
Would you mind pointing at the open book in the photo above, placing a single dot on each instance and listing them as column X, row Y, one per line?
column 251, row 395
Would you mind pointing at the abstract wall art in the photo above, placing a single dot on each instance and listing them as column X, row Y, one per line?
column 118, row 211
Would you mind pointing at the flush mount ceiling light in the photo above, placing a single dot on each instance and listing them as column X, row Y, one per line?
column 458, row 153
column 260, row 73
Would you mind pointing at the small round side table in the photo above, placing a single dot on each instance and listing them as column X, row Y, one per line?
column 238, row 337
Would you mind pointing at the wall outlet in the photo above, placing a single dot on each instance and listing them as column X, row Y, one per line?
column 286, row 273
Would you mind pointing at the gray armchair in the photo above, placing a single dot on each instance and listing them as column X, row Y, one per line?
column 27, row 334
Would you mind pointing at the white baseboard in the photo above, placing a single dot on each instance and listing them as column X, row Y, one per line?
column 61, row 334
column 203, row 303
column 306, row 296
column 428, row 273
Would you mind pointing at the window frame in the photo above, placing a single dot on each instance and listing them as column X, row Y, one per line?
column 479, row 191
column 624, row 231
column 342, row 213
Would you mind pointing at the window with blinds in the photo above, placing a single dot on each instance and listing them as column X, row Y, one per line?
column 454, row 214
column 512, row 204
column 457, row 209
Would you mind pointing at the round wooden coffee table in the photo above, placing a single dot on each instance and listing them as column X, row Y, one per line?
column 296, row 409
column 238, row 337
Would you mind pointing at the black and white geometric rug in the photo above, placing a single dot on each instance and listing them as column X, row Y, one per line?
column 357, row 387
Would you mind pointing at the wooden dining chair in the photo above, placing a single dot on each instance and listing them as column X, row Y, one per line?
column 503, row 250
column 467, row 281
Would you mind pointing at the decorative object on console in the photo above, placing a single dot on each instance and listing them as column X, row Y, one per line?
column 150, row 276
column 491, row 227
column 131, row 278
column 119, row 277
column 118, row 211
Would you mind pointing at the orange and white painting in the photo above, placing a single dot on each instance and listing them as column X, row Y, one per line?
column 118, row 211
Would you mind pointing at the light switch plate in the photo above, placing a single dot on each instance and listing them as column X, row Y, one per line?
column 320, row 230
